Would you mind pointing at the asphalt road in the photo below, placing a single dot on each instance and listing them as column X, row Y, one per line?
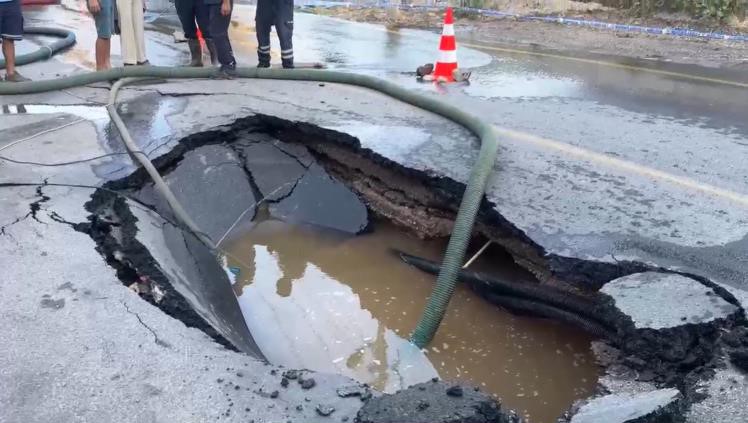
column 598, row 163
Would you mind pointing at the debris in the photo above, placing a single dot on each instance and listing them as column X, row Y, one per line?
column 325, row 410
column 422, row 405
column 307, row 383
column 291, row 374
column 454, row 391
column 274, row 394
column 352, row 391
column 284, row 382
column 424, row 70
column 460, row 75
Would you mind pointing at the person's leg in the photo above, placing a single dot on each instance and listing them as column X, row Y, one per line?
column 11, row 30
column 284, row 28
column 139, row 31
column 9, row 52
column 186, row 14
column 127, row 32
column 186, row 10
column 219, row 30
column 104, row 20
column 263, row 23
column 103, row 53
column 202, row 16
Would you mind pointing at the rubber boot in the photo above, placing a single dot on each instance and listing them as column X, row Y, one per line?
column 263, row 60
column 212, row 50
column 196, row 51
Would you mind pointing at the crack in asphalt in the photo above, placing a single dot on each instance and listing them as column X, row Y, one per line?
column 34, row 207
column 295, row 158
column 158, row 341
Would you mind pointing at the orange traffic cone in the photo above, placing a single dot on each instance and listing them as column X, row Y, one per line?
column 447, row 63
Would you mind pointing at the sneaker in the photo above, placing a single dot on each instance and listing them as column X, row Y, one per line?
column 16, row 77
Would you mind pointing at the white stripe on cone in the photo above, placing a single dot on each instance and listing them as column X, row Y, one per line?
column 448, row 57
column 449, row 29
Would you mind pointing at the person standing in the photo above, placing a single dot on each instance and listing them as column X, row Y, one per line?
column 219, row 13
column 278, row 13
column 11, row 30
column 103, row 14
column 132, row 32
column 194, row 14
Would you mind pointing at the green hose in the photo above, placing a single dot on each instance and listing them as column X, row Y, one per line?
column 47, row 51
column 455, row 254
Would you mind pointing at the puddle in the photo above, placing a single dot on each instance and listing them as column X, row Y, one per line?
column 343, row 304
column 93, row 113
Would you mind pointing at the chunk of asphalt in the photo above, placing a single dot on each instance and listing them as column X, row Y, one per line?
column 352, row 391
column 291, row 374
column 322, row 201
column 455, row 391
column 655, row 300
column 284, row 382
column 274, row 171
column 663, row 405
column 432, row 405
column 211, row 185
column 325, row 410
column 307, row 383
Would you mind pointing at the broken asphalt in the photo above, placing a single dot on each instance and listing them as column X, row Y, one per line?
column 593, row 182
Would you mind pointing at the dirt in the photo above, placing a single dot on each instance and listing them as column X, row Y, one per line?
column 572, row 40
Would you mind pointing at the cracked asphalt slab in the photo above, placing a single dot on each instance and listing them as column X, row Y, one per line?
column 614, row 203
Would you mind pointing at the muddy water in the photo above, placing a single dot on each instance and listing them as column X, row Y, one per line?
column 346, row 304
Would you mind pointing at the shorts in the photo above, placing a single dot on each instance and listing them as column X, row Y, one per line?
column 11, row 20
column 105, row 19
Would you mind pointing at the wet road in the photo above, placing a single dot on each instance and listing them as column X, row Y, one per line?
column 598, row 162
column 614, row 164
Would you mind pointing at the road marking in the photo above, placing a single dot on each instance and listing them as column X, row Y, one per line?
column 605, row 159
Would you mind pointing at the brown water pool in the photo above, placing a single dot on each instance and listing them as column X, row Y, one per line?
column 333, row 303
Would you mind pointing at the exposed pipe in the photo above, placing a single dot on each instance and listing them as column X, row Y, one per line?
column 475, row 189
column 564, row 302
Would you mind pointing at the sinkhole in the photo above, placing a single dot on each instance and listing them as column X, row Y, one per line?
column 308, row 272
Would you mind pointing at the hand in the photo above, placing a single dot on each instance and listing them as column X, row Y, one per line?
column 94, row 6
column 225, row 8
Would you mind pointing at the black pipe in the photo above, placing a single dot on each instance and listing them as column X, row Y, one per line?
column 537, row 309
column 535, row 299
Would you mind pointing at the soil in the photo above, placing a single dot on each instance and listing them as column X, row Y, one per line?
column 510, row 32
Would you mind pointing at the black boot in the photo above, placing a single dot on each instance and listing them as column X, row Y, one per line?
column 212, row 50
column 288, row 63
column 263, row 60
column 196, row 52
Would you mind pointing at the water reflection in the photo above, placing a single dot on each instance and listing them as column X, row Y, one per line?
column 326, row 302
column 323, row 327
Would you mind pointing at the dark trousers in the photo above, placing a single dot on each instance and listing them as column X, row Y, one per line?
column 193, row 14
column 219, row 32
column 278, row 13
